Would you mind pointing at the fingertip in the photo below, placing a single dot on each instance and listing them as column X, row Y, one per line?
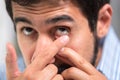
column 9, row 46
column 11, row 61
column 11, row 53
column 58, row 77
column 64, row 39
column 60, row 43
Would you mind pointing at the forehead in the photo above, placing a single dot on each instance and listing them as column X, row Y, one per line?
column 45, row 10
column 48, row 2
column 43, row 6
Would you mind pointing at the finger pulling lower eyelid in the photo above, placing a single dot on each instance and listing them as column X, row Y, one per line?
column 64, row 39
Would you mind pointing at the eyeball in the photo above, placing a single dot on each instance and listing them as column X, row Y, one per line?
column 28, row 31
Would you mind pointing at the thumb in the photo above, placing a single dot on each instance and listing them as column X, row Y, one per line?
column 11, row 63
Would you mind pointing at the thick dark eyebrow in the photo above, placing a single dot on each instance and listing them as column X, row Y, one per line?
column 22, row 19
column 48, row 21
column 59, row 18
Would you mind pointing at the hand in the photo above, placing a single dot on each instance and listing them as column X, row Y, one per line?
column 82, row 69
column 40, row 68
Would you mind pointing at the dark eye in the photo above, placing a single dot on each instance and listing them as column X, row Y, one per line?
column 60, row 31
column 28, row 31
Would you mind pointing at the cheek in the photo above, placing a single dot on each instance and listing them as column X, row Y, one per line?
column 83, row 45
column 27, row 50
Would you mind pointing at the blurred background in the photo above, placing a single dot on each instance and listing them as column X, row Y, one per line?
column 116, row 16
column 7, row 33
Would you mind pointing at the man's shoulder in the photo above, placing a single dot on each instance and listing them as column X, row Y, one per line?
column 111, row 43
column 112, row 37
column 110, row 61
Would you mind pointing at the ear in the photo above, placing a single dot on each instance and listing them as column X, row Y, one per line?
column 104, row 20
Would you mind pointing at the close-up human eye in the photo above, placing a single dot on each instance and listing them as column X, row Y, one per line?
column 28, row 31
column 60, row 31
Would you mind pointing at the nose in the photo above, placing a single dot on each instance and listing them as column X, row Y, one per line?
column 42, row 43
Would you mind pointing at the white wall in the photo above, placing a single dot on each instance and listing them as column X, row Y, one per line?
column 116, row 15
column 6, row 30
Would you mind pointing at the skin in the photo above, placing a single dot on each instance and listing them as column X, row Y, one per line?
column 51, row 42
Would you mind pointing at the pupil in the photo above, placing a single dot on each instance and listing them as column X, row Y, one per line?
column 29, row 29
column 62, row 29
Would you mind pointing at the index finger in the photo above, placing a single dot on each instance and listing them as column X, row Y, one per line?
column 46, row 55
column 11, row 63
column 77, row 60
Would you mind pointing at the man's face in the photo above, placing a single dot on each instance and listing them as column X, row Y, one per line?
column 42, row 23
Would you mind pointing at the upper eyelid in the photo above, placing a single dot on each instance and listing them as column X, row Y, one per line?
column 26, row 27
column 55, row 28
column 21, row 20
column 66, row 27
column 21, row 28
column 22, row 25
column 66, row 24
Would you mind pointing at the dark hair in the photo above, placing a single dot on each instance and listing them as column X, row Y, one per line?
column 90, row 8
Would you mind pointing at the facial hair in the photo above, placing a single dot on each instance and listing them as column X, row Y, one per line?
column 96, row 45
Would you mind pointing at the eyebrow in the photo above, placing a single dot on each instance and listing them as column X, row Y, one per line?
column 22, row 19
column 48, row 21
column 59, row 18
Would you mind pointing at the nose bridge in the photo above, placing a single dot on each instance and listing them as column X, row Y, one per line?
column 43, row 42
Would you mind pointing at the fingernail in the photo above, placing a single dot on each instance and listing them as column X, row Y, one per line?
column 64, row 39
